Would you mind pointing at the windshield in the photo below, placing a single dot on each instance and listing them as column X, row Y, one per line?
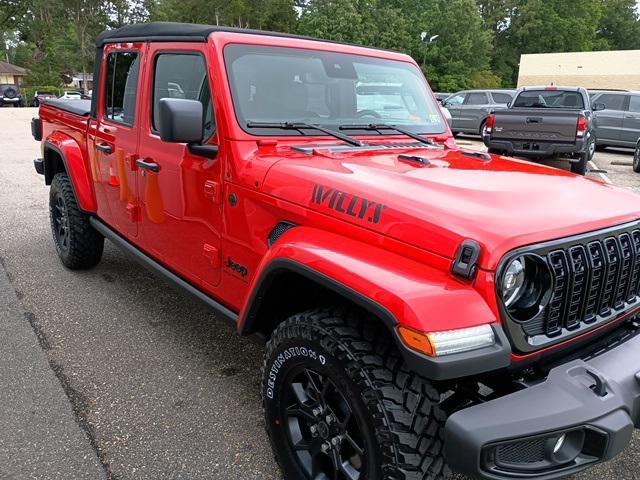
column 277, row 84
column 549, row 99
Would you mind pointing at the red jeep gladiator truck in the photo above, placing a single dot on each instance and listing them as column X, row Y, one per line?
column 425, row 308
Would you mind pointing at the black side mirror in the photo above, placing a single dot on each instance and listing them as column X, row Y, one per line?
column 180, row 121
column 598, row 107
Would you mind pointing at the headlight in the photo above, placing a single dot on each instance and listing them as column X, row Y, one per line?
column 525, row 286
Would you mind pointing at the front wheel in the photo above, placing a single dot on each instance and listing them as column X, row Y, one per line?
column 340, row 404
column 77, row 243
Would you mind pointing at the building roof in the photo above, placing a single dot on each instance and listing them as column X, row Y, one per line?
column 9, row 69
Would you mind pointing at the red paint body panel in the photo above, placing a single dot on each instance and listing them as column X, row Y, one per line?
column 76, row 163
column 419, row 295
column 383, row 227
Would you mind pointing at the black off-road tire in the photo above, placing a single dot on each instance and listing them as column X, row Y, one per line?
column 80, row 246
column 494, row 151
column 399, row 420
column 636, row 159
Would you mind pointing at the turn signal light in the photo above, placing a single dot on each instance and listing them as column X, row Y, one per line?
column 448, row 342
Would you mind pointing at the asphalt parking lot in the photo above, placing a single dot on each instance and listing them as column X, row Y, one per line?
column 157, row 387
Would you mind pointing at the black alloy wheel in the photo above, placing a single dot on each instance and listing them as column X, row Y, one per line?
column 60, row 223
column 322, row 428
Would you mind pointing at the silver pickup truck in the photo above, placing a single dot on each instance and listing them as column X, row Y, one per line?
column 546, row 122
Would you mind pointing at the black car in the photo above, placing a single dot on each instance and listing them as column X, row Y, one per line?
column 10, row 93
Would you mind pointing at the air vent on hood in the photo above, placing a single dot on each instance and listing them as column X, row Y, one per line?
column 308, row 149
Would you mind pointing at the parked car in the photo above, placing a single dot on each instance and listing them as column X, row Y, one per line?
column 425, row 307
column 71, row 95
column 471, row 108
column 10, row 94
column 38, row 97
column 618, row 124
column 546, row 122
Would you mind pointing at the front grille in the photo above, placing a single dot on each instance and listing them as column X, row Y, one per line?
column 596, row 278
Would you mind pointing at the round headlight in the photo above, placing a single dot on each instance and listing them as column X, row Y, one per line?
column 525, row 286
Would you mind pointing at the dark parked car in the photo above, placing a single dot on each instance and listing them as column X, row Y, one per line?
column 38, row 97
column 618, row 125
column 10, row 93
column 546, row 122
column 470, row 108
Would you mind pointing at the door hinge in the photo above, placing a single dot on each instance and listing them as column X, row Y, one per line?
column 212, row 254
column 212, row 191
column 134, row 212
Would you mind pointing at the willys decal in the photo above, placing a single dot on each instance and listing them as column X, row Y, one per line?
column 347, row 203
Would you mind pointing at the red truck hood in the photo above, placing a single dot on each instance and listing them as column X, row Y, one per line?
column 501, row 203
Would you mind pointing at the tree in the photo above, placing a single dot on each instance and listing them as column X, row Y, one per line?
column 619, row 27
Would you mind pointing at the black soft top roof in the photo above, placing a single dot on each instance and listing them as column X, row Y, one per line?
column 176, row 32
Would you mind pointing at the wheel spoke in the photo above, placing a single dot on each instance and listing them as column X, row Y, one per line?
column 300, row 412
column 356, row 448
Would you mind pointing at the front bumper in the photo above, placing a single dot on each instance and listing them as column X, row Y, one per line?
column 594, row 403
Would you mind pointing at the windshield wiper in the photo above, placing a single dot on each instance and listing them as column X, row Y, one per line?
column 306, row 126
column 385, row 126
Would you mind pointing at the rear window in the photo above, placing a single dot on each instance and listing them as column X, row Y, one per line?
column 549, row 99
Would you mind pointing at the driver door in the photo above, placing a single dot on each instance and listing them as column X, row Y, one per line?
column 180, row 193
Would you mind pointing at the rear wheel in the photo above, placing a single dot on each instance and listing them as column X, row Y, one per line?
column 78, row 245
column 494, row 151
column 340, row 404
column 580, row 167
column 636, row 159
column 483, row 127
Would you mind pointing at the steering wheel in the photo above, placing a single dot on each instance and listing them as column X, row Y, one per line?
column 368, row 113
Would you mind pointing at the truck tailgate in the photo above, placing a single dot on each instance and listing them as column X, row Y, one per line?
column 536, row 124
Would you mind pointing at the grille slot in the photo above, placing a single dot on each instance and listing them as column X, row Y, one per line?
column 596, row 279
column 523, row 452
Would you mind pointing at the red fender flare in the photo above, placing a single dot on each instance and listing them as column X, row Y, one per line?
column 76, row 165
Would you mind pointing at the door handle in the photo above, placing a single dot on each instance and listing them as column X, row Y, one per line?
column 631, row 116
column 105, row 148
column 148, row 164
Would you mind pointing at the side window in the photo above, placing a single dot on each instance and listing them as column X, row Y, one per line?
column 121, row 87
column 634, row 103
column 476, row 98
column 180, row 75
column 502, row 98
column 611, row 100
column 456, row 100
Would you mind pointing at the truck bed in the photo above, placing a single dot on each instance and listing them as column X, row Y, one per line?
column 79, row 107
column 536, row 125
